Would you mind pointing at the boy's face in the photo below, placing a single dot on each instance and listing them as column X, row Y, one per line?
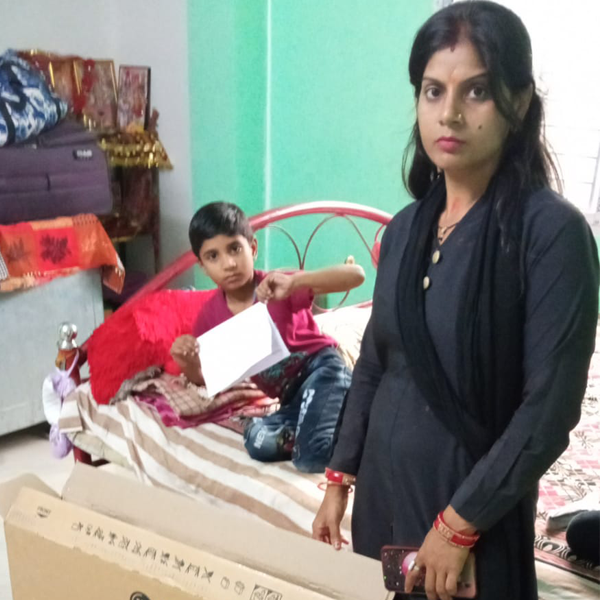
column 228, row 260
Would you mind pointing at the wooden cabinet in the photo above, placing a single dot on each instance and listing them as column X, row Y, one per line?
column 135, row 159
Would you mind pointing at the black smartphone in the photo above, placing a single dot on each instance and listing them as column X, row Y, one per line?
column 396, row 561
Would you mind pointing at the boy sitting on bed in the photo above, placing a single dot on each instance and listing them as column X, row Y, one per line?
column 312, row 382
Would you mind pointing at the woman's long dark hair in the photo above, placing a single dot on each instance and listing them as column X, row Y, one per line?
column 504, row 48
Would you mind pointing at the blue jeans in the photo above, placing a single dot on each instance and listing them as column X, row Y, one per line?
column 303, row 429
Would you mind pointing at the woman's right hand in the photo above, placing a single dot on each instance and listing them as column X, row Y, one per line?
column 326, row 526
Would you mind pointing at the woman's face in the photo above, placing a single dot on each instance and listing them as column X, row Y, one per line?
column 462, row 131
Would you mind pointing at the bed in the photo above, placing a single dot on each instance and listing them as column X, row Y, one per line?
column 210, row 463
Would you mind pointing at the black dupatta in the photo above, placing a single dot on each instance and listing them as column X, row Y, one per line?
column 490, row 326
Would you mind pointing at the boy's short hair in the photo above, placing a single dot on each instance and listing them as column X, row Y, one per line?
column 218, row 218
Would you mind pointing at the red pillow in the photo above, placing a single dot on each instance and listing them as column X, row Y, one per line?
column 140, row 336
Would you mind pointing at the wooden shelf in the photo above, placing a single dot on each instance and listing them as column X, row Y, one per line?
column 136, row 209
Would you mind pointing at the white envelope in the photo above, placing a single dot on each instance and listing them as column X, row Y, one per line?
column 242, row 346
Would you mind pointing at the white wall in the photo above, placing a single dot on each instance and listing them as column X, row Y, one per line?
column 566, row 50
column 65, row 26
column 143, row 32
column 154, row 33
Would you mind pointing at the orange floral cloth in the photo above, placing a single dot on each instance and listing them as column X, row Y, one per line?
column 34, row 252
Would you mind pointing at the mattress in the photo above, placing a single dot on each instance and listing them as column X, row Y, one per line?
column 207, row 462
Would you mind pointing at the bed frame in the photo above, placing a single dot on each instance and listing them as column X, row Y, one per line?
column 330, row 210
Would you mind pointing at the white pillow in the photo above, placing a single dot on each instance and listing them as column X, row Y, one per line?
column 346, row 326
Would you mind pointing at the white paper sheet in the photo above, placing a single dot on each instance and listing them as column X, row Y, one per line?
column 242, row 346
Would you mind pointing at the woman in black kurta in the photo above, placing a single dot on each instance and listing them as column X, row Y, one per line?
column 413, row 415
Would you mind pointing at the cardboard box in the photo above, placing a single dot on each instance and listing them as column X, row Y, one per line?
column 110, row 538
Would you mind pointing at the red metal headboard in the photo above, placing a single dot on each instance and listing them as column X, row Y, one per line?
column 333, row 209
column 262, row 220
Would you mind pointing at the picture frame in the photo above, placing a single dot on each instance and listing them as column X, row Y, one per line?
column 133, row 103
column 38, row 60
column 58, row 72
column 62, row 79
column 97, row 88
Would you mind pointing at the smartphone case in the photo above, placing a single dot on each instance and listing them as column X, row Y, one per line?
column 395, row 562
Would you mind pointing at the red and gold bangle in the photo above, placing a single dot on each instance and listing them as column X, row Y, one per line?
column 453, row 537
column 339, row 478
column 461, row 533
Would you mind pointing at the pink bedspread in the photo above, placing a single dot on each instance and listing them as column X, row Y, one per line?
column 183, row 404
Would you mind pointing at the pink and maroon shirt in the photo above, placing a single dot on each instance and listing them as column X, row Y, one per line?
column 295, row 322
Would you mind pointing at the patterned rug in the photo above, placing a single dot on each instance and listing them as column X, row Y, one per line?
column 574, row 475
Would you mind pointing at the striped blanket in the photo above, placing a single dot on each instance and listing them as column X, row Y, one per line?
column 208, row 462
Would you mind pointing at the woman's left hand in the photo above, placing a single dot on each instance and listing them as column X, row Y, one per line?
column 442, row 564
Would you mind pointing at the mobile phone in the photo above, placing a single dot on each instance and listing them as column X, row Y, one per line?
column 396, row 561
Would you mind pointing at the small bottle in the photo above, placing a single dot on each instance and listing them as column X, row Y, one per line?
column 67, row 350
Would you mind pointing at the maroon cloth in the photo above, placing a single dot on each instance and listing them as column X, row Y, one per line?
column 294, row 320
column 255, row 408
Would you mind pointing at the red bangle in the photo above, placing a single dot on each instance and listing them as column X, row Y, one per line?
column 339, row 477
column 461, row 533
column 454, row 537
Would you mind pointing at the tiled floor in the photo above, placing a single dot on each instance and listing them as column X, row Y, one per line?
column 28, row 451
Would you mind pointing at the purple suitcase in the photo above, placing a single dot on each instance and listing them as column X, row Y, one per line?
column 60, row 173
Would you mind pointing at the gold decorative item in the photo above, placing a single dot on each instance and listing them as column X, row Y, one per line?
column 140, row 149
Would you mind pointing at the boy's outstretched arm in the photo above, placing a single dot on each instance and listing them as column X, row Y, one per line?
column 277, row 285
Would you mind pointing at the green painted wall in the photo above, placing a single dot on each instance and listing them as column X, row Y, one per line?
column 227, row 89
column 339, row 110
column 342, row 104
column 227, row 70
column 342, row 109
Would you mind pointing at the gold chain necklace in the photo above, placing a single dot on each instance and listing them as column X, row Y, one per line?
column 442, row 230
